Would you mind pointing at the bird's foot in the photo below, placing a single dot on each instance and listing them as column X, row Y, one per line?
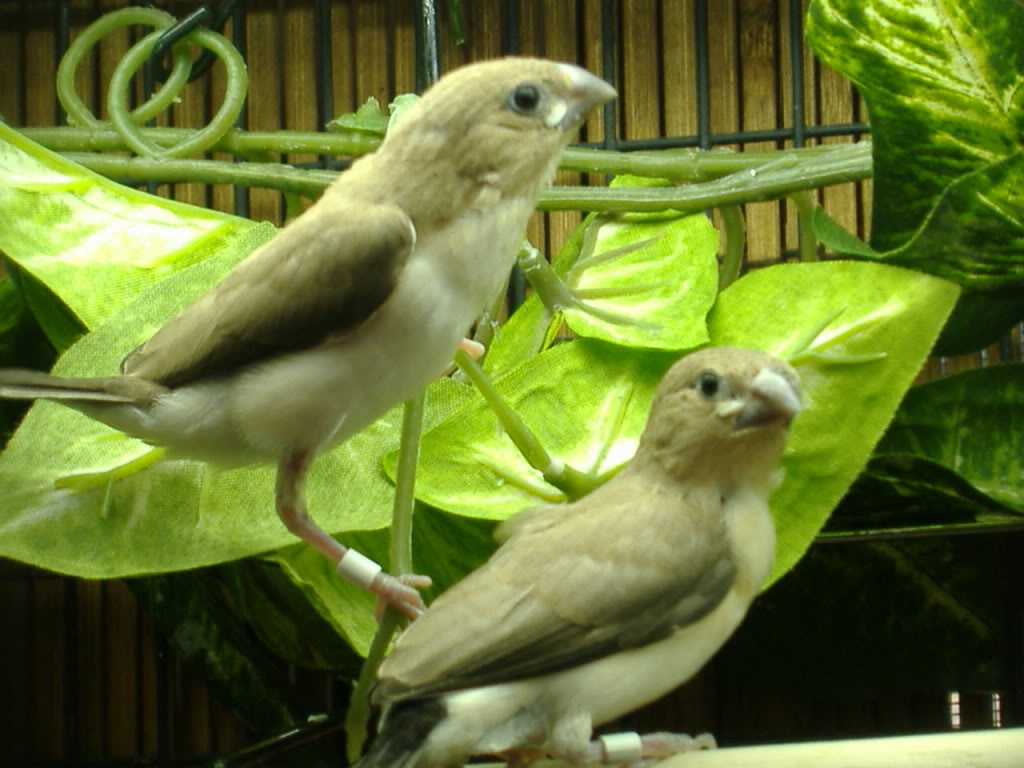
column 401, row 592
column 638, row 751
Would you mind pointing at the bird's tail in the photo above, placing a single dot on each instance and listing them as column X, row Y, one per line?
column 19, row 384
column 406, row 728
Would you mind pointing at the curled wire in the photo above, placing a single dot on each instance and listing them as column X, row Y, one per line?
column 128, row 123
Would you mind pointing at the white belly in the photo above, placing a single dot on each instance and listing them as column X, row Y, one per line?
column 542, row 711
column 316, row 398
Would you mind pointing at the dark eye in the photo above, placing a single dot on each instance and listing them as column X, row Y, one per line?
column 708, row 384
column 524, row 99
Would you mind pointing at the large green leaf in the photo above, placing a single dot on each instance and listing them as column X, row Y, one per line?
column 943, row 83
column 857, row 332
column 586, row 400
column 863, row 311
column 971, row 423
column 639, row 280
column 649, row 282
column 904, row 492
column 80, row 498
column 94, row 243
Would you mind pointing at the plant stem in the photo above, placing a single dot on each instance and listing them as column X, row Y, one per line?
column 573, row 483
column 285, row 178
column 401, row 562
column 735, row 237
column 236, row 142
column 405, row 486
column 805, row 226
column 845, row 162
column 553, row 293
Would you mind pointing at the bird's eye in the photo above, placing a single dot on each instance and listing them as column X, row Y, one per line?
column 524, row 99
column 708, row 384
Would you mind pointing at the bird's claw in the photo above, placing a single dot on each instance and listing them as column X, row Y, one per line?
column 662, row 744
column 401, row 592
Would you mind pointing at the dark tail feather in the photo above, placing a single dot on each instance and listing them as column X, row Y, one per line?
column 19, row 384
column 407, row 726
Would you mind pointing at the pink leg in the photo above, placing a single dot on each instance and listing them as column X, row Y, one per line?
column 401, row 592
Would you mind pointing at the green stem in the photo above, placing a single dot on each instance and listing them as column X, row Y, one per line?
column 401, row 562
column 845, row 162
column 405, row 486
column 277, row 176
column 105, row 138
column 805, row 226
column 854, row 163
column 358, row 714
column 735, row 237
column 691, row 165
column 573, row 483
column 677, row 164
column 553, row 293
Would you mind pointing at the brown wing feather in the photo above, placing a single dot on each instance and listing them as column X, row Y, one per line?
column 323, row 274
column 518, row 617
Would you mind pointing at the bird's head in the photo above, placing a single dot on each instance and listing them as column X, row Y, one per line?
column 723, row 413
column 504, row 121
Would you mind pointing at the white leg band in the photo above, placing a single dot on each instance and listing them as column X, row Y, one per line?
column 357, row 568
column 625, row 747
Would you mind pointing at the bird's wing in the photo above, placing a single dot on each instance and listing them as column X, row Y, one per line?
column 323, row 274
column 623, row 568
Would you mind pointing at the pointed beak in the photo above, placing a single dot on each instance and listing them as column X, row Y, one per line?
column 774, row 398
column 586, row 91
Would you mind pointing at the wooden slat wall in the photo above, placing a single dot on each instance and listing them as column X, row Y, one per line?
column 82, row 674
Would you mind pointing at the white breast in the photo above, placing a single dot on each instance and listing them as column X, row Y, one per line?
column 316, row 398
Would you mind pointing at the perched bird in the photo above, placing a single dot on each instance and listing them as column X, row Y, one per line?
column 591, row 609
column 357, row 304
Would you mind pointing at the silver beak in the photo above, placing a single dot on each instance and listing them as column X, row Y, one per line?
column 773, row 398
column 586, row 91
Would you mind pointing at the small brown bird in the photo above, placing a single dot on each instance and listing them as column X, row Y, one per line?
column 592, row 609
column 356, row 305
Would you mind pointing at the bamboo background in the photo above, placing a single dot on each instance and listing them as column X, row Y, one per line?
column 83, row 673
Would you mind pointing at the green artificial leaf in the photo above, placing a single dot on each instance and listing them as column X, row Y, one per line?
column 943, row 84
column 648, row 282
column 368, row 118
column 346, row 607
column 91, row 242
column 83, row 499
column 975, row 234
column 191, row 610
column 971, row 423
column 858, row 334
column 968, row 240
column 587, row 402
column 398, row 107
column 832, row 235
column 640, row 280
column 287, row 624
column 905, row 492
column 979, row 320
